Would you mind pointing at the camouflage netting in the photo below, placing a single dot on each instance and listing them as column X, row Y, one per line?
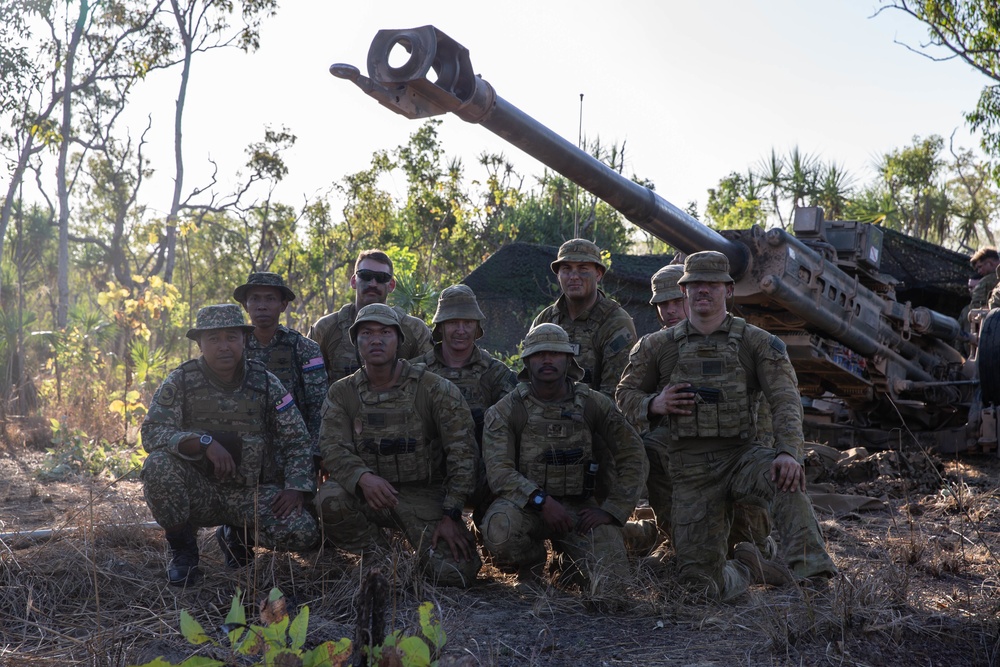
column 515, row 283
column 929, row 275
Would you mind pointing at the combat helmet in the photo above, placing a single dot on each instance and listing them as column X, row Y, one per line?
column 707, row 266
column 263, row 279
column 457, row 302
column 377, row 312
column 549, row 337
column 664, row 284
column 578, row 250
column 219, row 316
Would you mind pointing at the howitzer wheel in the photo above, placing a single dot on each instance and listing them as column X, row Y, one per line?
column 988, row 360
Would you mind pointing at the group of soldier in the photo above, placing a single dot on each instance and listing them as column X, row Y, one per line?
column 374, row 422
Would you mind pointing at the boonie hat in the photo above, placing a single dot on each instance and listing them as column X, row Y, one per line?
column 457, row 302
column 664, row 284
column 263, row 279
column 549, row 337
column 377, row 312
column 578, row 250
column 220, row 316
column 707, row 266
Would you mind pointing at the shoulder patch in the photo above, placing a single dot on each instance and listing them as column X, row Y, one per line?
column 778, row 344
column 313, row 364
column 285, row 403
column 621, row 341
column 168, row 393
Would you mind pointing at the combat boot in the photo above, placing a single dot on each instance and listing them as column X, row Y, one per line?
column 762, row 571
column 183, row 568
column 235, row 546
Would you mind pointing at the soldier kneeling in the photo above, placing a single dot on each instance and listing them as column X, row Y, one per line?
column 541, row 445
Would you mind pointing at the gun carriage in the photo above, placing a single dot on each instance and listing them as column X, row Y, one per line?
column 872, row 370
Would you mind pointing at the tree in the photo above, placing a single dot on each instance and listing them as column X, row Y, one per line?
column 203, row 26
column 970, row 30
column 736, row 203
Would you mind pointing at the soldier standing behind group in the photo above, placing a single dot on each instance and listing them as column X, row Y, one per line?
column 372, row 282
column 750, row 521
column 209, row 428
column 398, row 442
column 293, row 358
column 483, row 380
column 599, row 328
column 985, row 262
column 699, row 378
column 541, row 444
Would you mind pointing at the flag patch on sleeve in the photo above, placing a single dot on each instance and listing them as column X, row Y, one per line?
column 313, row 364
column 284, row 403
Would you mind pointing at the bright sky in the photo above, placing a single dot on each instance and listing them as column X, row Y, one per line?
column 696, row 89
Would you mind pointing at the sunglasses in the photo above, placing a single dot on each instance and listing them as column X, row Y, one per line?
column 368, row 275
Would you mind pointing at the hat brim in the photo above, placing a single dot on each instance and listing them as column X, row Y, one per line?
column 240, row 293
column 668, row 295
column 193, row 333
column 705, row 277
column 575, row 371
column 576, row 258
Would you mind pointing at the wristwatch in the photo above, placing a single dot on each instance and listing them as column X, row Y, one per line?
column 537, row 499
column 455, row 514
column 204, row 441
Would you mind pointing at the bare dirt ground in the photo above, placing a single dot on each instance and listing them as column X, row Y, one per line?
column 918, row 586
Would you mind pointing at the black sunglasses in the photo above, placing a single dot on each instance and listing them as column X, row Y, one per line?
column 368, row 275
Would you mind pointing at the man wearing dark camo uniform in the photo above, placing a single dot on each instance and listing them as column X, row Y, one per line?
column 483, row 380
column 541, row 444
column 372, row 282
column 210, row 427
column 600, row 329
column 400, row 445
column 750, row 521
column 295, row 359
column 985, row 262
column 700, row 377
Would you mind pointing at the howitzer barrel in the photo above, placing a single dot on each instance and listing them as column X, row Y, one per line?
column 408, row 91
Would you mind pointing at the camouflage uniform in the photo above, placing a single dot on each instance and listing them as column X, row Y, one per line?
column 983, row 293
column 530, row 444
column 603, row 334
column 254, row 411
column 639, row 385
column 332, row 333
column 482, row 380
column 418, row 435
column 992, row 291
column 713, row 458
column 298, row 363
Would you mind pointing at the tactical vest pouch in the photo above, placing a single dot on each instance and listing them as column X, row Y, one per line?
column 560, row 480
column 399, row 460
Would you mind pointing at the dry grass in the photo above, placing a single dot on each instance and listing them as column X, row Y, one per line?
column 919, row 585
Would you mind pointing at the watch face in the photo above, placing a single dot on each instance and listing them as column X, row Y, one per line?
column 538, row 499
column 205, row 440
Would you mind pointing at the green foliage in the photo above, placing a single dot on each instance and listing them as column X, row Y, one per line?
column 413, row 651
column 971, row 30
column 74, row 452
column 736, row 203
column 281, row 640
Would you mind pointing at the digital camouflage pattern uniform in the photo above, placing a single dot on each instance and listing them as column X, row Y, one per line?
column 482, row 380
column 296, row 360
column 256, row 415
column 639, row 385
column 713, row 458
column 529, row 444
column 603, row 335
column 419, row 436
column 332, row 333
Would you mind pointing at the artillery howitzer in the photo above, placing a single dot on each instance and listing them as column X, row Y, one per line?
column 879, row 368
